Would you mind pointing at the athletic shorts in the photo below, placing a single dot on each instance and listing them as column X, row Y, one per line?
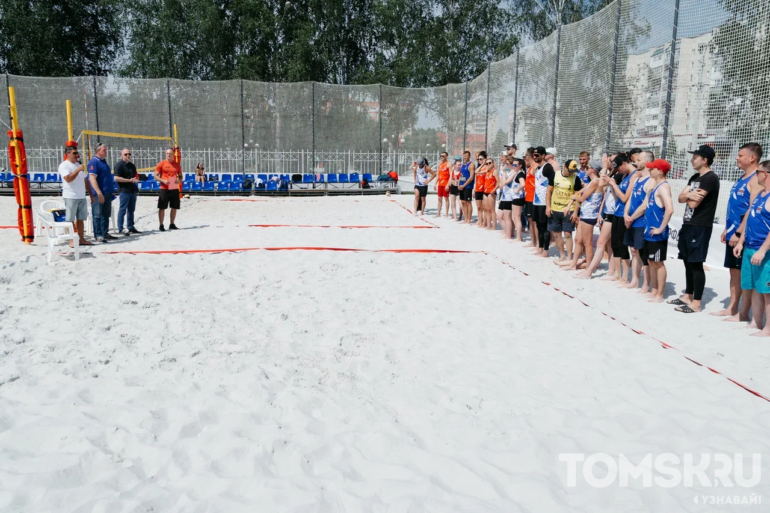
column 731, row 262
column 560, row 222
column 422, row 190
column 453, row 190
column 608, row 217
column 591, row 222
column 168, row 198
column 538, row 214
column 528, row 208
column 655, row 250
column 619, row 250
column 634, row 238
column 479, row 196
column 518, row 202
column 466, row 194
column 77, row 209
column 505, row 205
column 694, row 243
column 755, row 277
column 443, row 191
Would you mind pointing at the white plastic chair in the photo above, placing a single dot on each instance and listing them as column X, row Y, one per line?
column 56, row 231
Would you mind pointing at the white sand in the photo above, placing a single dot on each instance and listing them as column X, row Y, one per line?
column 338, row 381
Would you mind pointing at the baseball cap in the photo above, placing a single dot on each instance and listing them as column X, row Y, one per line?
column 660, row 164
column 552, row 151
column 458, row 157
column 705, row 151
column 596, row 164
column 540, row 150
column 510, row 145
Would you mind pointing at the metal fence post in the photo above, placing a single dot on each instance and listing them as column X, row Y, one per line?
column 512, row 129
column 312, row 118
column 168, row 97
column 243, row 136
column 465, row 116
column 96, row 108
column 379, row 153
column 556, row 88
column 612, row 79
column 486, row 119
column 670, row 85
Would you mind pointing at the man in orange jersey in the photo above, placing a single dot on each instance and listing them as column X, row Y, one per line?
column 169, row 174
column 478, row 192
column 442, row 187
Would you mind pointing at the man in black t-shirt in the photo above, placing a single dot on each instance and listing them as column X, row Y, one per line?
column 127, row 178
column 700, row 196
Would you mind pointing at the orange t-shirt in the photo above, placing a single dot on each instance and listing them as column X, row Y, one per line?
column 167, row 170
column 481, row 176
column 529, row 185
column 490, row 183
column 443, row 174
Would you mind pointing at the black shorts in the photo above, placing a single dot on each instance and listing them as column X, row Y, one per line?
column 453, row 190
column 479, row 196
column 538, row 214
column 730, row 261
column 466, row 194
column 607, row 217
column 592, row 222
column 619, row 250
column 656, row 251
column 634, row 238
column 560, row 222
column 422, row 190
column 518, row 202
column 505, row 205
column 528, row 208
column 694, row 243
column 168, row 198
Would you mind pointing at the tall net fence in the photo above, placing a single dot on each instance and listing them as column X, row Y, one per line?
column 664, row 75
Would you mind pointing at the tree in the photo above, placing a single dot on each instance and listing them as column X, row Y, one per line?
column 59, row 38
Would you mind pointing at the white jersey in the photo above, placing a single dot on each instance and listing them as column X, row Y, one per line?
column 422, row 176
column 541, row 186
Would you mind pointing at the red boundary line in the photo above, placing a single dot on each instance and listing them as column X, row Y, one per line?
column 333, row 226
column 7, row 227
column 412, row 213
column 664, row 345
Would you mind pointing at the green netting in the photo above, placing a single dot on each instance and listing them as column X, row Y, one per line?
column 347, row 117
column 278, row 116
column 537, row 80
column 502, row 101
column 414, row 120
column 585, row 79
column 207, row 114
column 455, row 118
column 476, row 126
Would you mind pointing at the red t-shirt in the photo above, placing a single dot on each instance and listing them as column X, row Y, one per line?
column 167, row 170
column 443, row 174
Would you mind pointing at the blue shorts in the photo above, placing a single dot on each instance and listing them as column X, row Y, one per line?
column 755, row 277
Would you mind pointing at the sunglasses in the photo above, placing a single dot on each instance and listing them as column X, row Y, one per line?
column 126, row 154
column 535, row 155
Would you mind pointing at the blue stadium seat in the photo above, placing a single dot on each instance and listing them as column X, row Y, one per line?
column 209, row 186
column 212, row 177
column 237, row 178
column 150, row 178
column 250, row 176
column 354, row 178
column 331, row 178
column 272, row 186
column 307, row 178
column 236, row 186
column 155, row 186
column 38, row 177
column 189, row 177
column 368, row 177
column 319, row 177
column 187, row 186
column 52, row 177
column 197, row 186
column 225, row 178
column 343, row 178
column 145, row 186
column 271, row 176
column 262, row 177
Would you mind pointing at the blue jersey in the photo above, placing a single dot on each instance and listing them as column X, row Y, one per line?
column 653, row 218
column 758, row 225
column 465, row 172
column 101, row 170
column 583, row 177
column 737, row 204
column 636, row 200
column 620, row 206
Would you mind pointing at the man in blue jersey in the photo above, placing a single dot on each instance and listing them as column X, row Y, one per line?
column 102, row 185
column 657, row 215
column 742, row 193
column 755, row 238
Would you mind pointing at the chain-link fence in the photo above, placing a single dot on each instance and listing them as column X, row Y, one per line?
column 664, row 75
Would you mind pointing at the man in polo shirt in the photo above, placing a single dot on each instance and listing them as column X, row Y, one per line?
column 102, row 184
column 169, row 174
column 700, row 198
column 127, row 178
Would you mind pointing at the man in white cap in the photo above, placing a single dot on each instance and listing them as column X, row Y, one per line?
column 550, row 157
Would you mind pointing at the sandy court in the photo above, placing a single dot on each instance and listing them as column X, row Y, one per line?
column 348, row 381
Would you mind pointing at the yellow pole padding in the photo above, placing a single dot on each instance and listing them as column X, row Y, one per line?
column 69, row 121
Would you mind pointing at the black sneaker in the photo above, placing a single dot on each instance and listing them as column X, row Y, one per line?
column 172, row 226
column 134, row 231
column 125, row 233
column 162, row 229
column 109, row 237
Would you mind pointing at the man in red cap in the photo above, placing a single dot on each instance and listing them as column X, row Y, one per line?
column 657, row 214
column 700, row 198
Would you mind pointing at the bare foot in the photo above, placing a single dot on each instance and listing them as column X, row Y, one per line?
column 763, row 333
column 570, row 268
column 564, row 263
column 610, row 277
column 631, row 285
column 723, row 313
column 643, row 291
column 733, row 318
column 656, row 299
column 752, row 325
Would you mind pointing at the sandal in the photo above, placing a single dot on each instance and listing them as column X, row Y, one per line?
column 685, row 309
column 677, row 302
column 86, row 243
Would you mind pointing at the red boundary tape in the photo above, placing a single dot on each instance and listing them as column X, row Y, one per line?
column 664, row 345
column 8, row 227
column 412, row 213
column 332, row 226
